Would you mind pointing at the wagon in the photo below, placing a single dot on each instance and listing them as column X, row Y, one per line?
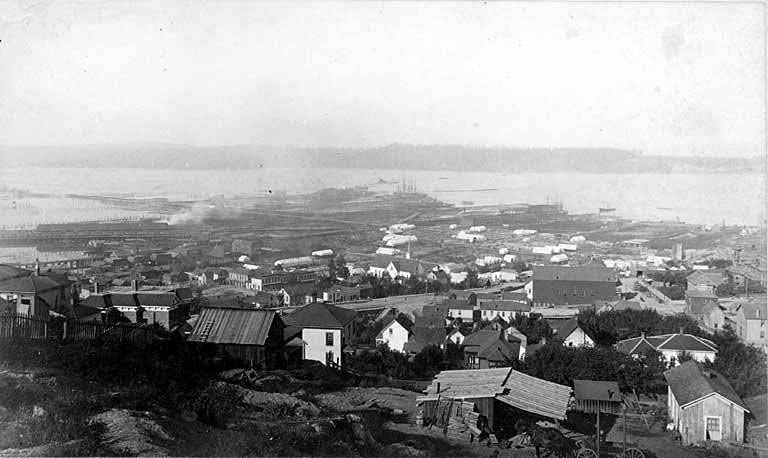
column 588, row 449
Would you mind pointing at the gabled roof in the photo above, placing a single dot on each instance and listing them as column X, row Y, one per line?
column 754, row 310
column 583, row 273
column 690, row 383
column 234, row 326
column 7, row 272
column 506, row 306
column 687, row 342
column 300, row 289
column 564, row 328
column 457, row 304
column 164, row 299
column 31, row 284
column 422, row 336
column 491, row 345
column 460, row 293
column 402, row 322
column 320, row 315
column 708, row 277
column 122, row 299
column 673, row 342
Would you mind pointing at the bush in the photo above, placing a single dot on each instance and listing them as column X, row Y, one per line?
column 217, row 403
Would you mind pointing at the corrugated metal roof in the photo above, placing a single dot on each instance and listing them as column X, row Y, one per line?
column 233, row 326
column 535, row 395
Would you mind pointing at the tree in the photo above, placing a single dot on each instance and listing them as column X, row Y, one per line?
column 341, row 267
column 429, row 361
column 534, row 328
column 562, row 365
column 743, row 365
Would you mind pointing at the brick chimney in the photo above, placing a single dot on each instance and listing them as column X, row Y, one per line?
column 642, row 334
column 682, row 330
column 37, row 267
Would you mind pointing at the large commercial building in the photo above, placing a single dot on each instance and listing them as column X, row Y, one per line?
column 561, row 285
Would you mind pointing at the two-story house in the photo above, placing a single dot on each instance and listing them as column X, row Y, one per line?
column 750, row 322
column 326, row 329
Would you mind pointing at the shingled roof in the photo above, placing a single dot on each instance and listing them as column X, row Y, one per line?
column 320, row 315
column 672, row 342
column 690, row 383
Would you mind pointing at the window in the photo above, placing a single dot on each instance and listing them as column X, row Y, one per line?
column 329, row 338
column 592, row 293
column 26, row 302
column 390, row 331
column 713, row 428
column 583, row 293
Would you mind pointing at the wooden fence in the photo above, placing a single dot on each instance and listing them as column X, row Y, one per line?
column 366, row 379
column 21, row 326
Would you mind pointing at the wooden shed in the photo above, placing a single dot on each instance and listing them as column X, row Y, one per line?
column 703, row 406
column 491, row 391
column 253, row 335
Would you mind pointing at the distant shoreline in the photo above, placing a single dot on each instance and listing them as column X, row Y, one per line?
column 747, row 171
column 404, row 157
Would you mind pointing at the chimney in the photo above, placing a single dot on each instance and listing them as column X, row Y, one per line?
column 543, row 340
column 642, row 334
column 37, row 267
column 682, row 330
column 135, row 284
column 438, row 387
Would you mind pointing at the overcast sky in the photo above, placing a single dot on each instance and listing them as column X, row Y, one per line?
column 661, row 78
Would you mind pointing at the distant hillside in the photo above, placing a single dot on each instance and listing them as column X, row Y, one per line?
column 395, row 156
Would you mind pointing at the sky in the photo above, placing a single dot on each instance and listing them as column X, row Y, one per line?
column 660, row 78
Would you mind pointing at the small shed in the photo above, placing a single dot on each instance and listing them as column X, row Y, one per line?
column 594, row 396
column 703, row 406
column 254, row 335
column 491, row 391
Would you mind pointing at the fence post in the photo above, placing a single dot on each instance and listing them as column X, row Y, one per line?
column 64, row 335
